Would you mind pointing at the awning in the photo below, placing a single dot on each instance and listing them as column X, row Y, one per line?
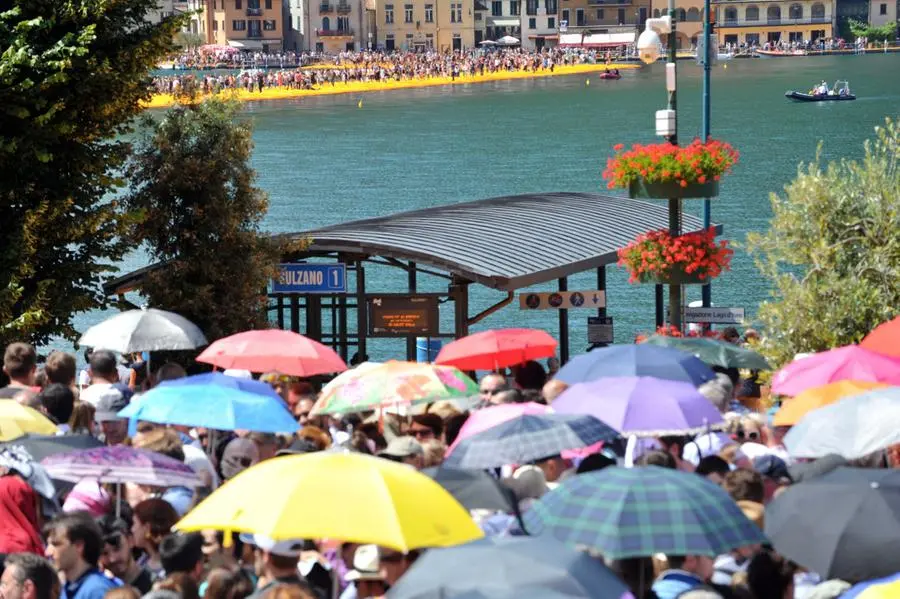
column 596, row 40
column 552, row 36
column 251, row 44
column 503, row 21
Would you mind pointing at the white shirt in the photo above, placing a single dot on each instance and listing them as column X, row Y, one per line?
column 95, row 393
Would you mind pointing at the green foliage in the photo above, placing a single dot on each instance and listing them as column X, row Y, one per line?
column 72, row 74
column 188, row 40
column 884, row 33
column 832, row 253
column 199, row 212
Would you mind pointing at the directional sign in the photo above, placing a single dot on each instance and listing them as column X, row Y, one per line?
column 559, row 300
column 714, row 315
column 311, row 278
column 600, row 329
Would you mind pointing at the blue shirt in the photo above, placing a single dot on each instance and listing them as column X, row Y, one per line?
column 91, row 585
column 674, row 582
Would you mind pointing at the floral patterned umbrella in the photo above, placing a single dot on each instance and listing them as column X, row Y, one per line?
column 393, row 384
column 121, row 464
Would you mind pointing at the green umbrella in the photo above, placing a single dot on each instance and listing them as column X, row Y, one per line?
column 714, row 352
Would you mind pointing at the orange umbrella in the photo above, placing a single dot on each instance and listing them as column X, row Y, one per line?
column 884, row 339
column 816, row 397
column 497, row 348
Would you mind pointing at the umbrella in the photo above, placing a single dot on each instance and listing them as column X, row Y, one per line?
column 508, row 568
column 273, row 350
column 17, row 420
column 852, row 427
column 527, row 438
column 844, row 363
column 878, row 587
column 814, row 398
column 636, row 360
column 496, row 349
column 394, row 384
column 642, row 406
column 39, row 447
column 147, row 329
column 637, row 512
column 713, row 351
column 844, row 524
column 487, row 43
column 483, row 419
column 508, row 40
column 18, row 460
column 336, row 495
column 474, row 489
column 217, row 401
column 121, row 464
column 884, row 339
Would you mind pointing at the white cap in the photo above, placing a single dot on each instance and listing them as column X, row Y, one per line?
column 366, row 564
column 288, row 548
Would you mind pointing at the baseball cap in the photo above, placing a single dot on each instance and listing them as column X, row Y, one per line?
column 366, row 564
column 240, row 454
column 771, row 466
column 288, row 548
column 113, row 400
column 403, row 447
column 298, row 446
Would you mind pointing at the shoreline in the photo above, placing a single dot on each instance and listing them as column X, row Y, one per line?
column 285, row 93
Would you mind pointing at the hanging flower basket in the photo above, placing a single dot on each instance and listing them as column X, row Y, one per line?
column 691, row 259
column 668, row 171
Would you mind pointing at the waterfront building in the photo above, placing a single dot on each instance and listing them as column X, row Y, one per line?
column 198, row 17
column 335, row 25
column 882, row 12
column 480, row 13
column 602, row 23
column 247, row 24
column 752, row 22
column 689, row 20
column 294, row 14
column 502, row 18
column 539, row 24
column 421, row 25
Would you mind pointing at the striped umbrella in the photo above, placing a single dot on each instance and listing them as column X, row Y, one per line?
column 638, row 512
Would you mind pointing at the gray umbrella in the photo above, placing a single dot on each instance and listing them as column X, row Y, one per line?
column 147, row 329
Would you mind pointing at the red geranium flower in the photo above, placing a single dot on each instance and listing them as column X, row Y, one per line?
column 698, row 162
column 657, row 253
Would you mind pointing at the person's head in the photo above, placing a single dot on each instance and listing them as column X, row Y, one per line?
column 553, row 389
column 731, row 335
column 82, row 419
column 239, row 455
column 594, row 462
column 674, row 446
column 366, row 573
column 531, row 375
column 394, row 564
column 113, row 400
column 160, row 440
column 636, row 572
column 655, row 457
column 719, row 391
column 182, row 552
column 425, row 427
column 181, row 583
column 103, row 366
column 60, row 368
column 771, row 576
column 117, row 545
column 749, row 430
column 405, row 450
column 775, row 473
column 714, row 468
column 279, row 557
column 452, row 426
column 74, row 543
column 552, row 467
column 434, row 451
column 316, row 436
column 507, row 396
column 28, row 576
column 302, row 408
column 228, row 584
column 20, row 363
column 491, row 385
column 298, row 390
column 58, row 401
column 279, row 383
column 745, row 485
column 700, row 566
column 267, row 444
column 552, row 365
column 153, row 520
column 287, row 591
column 169, row 371
column 124, row 592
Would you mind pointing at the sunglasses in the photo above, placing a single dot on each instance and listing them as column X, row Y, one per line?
column 490, row 391
column 752, row 435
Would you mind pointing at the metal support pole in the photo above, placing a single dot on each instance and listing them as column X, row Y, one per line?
column 704, row 125
column 674, row 204
column 362, row 316
column 601, row 286
column 563, row 326
column 411, row 287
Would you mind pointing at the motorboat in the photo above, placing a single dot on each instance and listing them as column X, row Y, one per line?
column 609, row 75
column 839, row 93
column 781, row 53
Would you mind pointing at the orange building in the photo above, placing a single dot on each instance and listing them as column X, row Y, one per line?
column 246, row 24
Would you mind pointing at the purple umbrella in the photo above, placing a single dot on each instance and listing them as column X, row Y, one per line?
column 121, row 464
column 642, row 406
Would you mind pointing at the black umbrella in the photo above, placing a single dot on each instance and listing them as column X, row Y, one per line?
column 844, row 524
column 508, row 568
column 43, row 446
column 474, row 489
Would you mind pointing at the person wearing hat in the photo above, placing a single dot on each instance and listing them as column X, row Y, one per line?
column 110, row 402
column 239, row 454
column 366, row 577
column 280, row 561
column 775, row 474
column 405, row 450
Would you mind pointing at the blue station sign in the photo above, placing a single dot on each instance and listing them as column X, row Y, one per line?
column 311, row 278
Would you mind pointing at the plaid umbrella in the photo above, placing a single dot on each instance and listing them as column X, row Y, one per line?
column 637, row 512
column 528, row 438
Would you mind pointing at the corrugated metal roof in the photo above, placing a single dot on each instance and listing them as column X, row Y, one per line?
column 508, row 242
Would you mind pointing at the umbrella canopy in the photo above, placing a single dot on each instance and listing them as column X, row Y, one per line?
column 121, row 464
column 39, row 447
column 878, row 587
column 508, row 40
column 16, row 459
column 528, row 438
column 814, row 398
column 394, row 384
column 147, row 329
column 637, row 512
column 330, row 495
column 498, row 348
column 884, row 339
column 642, row 406
column 474, row 489
column 844, row 524
column 483, row 419
column 17, row 420
column 852, row 427
column 273, row 350
column 508, row 568
column 216, row 401
column 714, row 351
column 844, row 363
column 636, row 360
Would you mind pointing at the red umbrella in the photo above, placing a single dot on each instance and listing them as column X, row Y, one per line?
column 499, row 348
column 884, row 339
column 273, row 350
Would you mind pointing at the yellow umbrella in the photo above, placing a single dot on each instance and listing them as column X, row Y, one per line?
column 812, row 399
column 889, row 590
column 17, row 420
column 337, row 495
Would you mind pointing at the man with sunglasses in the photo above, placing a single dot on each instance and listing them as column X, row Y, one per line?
column 425, row 427
column 117, row 556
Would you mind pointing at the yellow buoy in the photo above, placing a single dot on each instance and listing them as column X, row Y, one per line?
column 359, row 104
column 724, row 66
column 587, row 81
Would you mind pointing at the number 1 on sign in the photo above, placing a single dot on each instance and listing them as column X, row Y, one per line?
column 334, row 276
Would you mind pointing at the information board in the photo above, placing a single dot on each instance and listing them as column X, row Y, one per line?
column 403, row 315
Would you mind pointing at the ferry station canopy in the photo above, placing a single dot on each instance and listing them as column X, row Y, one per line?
column 595, row 40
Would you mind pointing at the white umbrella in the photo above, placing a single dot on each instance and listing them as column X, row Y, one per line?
column 146, row 329
column 508, row 40
column 487, row 43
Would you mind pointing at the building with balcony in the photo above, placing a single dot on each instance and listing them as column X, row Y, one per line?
column 882, row 12
column 502, row 17
column 757, row 23
column 689, row 21
column 601, row 23
column 420, row 25
column 336, row 25
column 539, row 24
column 295, row 16
column 248, row 24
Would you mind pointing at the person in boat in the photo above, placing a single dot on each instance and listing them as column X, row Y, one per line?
column 822, row 90
column 616, row 72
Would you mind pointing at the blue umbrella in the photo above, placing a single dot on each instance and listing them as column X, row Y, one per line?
column 636, row 360
column 215, row 401
column 528, row 438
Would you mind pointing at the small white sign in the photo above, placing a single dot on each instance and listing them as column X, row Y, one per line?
column 714, row 315
column 562, row 300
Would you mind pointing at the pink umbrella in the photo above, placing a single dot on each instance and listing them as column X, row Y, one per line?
column 273, row 350
column 482, row 420
column 844, row 363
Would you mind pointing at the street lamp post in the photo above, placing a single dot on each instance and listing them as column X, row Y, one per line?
column 706, row 290
column 674, row 203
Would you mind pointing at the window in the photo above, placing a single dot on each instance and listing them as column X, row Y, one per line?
column 478, row 18
column 459, row 12
column 751, row 14
column 388, row 13
column 579, row 17
column 531, row 7
column 326, row 24
column 429, row 13
column 239, row 25
column 237, row 5
column 731, row 15
column 300, row 23
column 407, row 13
column 600, row 14
column 795, row 12
column 514, row 8
column 215, row 25
column 532, row 23
column 389, row 43
column 551, row 23
column 343, row 23
column 269, row 25
column 565, row 16
column 773, row 14
column 268, row 4
column 883, row 9
column 818, row 10
column 455, row 12
column 497, row 8
column 552, row 7
column 620, row 17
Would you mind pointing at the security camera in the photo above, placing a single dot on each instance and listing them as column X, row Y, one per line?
column 648, row 46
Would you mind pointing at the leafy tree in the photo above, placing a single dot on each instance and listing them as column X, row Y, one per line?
column 883, row 33
column 832, row 253
column 189, row 40
column 72, row 75
column 198, row 211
